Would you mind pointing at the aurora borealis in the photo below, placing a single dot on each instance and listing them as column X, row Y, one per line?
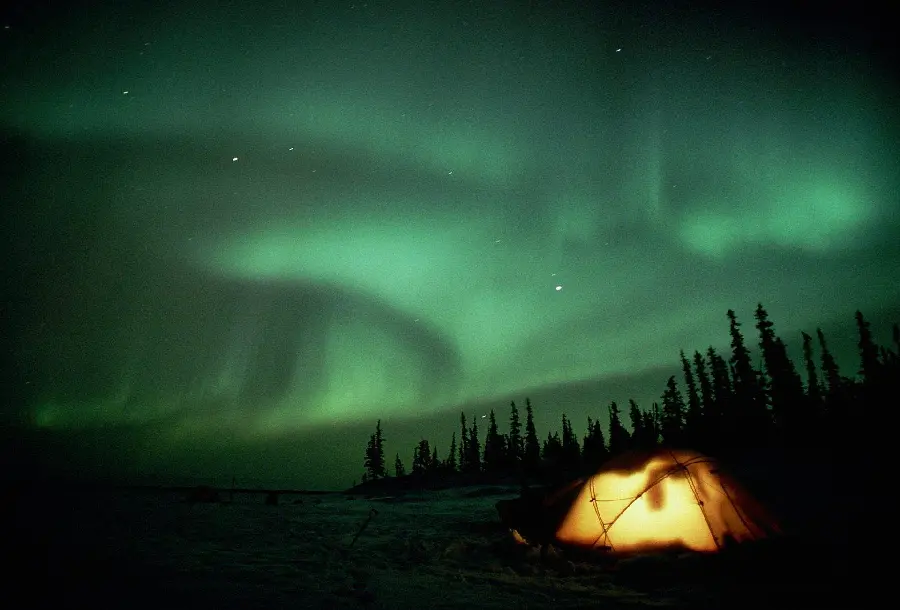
column 242, row 233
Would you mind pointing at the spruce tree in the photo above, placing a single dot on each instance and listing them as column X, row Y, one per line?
column 571, row 450
column 594, row 451
column 371, row 461
column 374, row 462
column 785, row 388
column 474, row 459
column 551, row 455
column 464, row 449
column 813, row 389
column 379, row 442
column 693, row 417
column 655, row 422
column 710, row 421
column 868, row 351
column 673, row 412
column 399, row 469
column 638, row 432
column 421, row 458
column 748, row 418
column 833, row 379
column 531, row 458
column 515, row 444
column 451, row 457
column 494, row 454
column 619, row 439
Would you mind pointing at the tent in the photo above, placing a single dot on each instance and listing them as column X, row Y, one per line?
column 668, row 498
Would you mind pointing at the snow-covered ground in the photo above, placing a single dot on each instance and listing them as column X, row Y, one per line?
column 444, row 549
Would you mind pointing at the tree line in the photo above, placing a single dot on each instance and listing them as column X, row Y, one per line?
column 724, row 406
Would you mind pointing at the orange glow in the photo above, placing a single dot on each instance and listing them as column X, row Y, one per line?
column 672, row 499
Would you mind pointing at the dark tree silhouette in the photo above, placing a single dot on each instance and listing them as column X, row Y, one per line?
column 399, row 469
column 693, row 416
column 531, row 458
column 464, row 450
column 813, row 389
column 710, row 421
column 868, row 351
column 494, row 448
column 747, row 420
column 673, row 412
column 551, row 455
column 638, row 433
column 653, row 423
column 515, row 445
column 784, row 386
column 421, row 462
column 833, row 380
column 571, row 448
column 594, row 451
column 619, row 439
column 374, row 462
column 473, row 460
column 450, row 464
column 721, row 380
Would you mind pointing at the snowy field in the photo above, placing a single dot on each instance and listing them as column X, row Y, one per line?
column 443, row 549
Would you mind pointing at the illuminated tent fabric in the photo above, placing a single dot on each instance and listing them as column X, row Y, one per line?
column 665, row 499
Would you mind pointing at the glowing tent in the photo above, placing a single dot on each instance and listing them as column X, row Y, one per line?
column 666, row 499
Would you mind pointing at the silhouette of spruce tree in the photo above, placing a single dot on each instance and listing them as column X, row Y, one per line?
column 833, row 378
column 638, row 432
column 673, row 413
column 870, row 366
column 450, row 463
column 551, row 458
column 464, row 450
column 594, row 451
column 710, row 421
column 693, row 416
column 473, row 461
column 721, row 418
column 783, row 384
column 619, row 439
column 374, row 462
column 421, row 462
column 813, row 388
column 515, row 444
column 399, row 469
column 571, row 448
column 815, row 399
column 837, row 387
column 747, row 420
column 494, row 448
column 870, row 395
column 531, row 457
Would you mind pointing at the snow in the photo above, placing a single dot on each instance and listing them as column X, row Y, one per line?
column 441, row 549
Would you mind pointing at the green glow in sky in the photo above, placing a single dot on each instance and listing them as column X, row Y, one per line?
column 253, row 221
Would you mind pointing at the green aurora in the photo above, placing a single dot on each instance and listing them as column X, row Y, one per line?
column 242, row 235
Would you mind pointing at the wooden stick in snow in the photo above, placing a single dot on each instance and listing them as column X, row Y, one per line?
column 372, row 513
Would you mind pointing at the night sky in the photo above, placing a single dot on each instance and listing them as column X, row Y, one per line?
column 239, row 234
